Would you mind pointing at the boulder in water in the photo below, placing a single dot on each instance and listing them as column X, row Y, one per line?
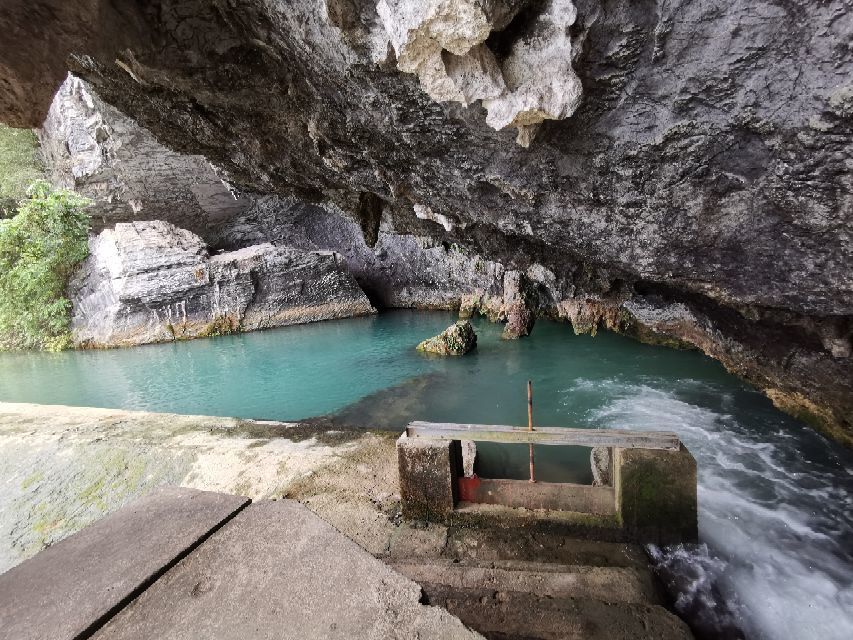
column 457, row 340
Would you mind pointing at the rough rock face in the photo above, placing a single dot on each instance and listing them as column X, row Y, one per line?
column 707, row 166
column 405, row 267
column 153, row 282
column 725, row 173
column 518, row 305
column 457, row 340
column 443, row 42
column 96, row 150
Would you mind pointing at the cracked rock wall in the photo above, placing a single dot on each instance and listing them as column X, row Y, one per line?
column 147, row 282
column 94, row 149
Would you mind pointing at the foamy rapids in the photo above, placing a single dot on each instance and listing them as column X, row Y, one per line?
column 775, row 517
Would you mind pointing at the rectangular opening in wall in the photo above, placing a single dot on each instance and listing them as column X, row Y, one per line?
column 499, row 474
column 552, row 464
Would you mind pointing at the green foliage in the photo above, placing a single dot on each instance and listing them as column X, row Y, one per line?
column 20, row 166
column 39, row 249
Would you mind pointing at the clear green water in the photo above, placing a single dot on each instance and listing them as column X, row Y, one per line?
column 776, row 512
column 364, row 372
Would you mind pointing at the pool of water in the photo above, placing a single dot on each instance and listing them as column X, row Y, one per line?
column 775, row 498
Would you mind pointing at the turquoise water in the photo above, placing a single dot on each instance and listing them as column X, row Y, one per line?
column 318, row 369
column 776, row 513
column 364, row 372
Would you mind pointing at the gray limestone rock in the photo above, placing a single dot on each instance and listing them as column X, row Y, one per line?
column 518, row 306
column 152, row 282
column 96, row 150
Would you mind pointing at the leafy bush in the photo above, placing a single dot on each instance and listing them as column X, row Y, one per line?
column 20, row 166
column 39, row 249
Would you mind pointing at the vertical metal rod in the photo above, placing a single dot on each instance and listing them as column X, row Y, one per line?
column 530, row 426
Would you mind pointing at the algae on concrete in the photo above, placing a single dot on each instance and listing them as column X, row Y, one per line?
column 62, row 468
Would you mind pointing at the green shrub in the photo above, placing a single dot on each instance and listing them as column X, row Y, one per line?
column 20, row 166
column 39, row 249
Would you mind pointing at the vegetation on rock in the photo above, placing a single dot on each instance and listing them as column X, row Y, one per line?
column 20, row 166
column 40, row 246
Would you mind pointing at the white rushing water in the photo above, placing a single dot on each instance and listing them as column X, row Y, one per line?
column 775, row 517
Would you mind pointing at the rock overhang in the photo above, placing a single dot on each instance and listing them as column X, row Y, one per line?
column 716, row 172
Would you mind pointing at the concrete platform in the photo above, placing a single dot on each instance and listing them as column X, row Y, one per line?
column 72, row 587
column 525, row 579
column 279, row 571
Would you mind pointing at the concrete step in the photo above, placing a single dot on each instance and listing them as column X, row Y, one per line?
column 512, row 615
column 532, row 544
column 610, row 584
column 570, row 524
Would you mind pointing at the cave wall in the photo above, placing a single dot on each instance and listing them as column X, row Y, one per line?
column 104, row 155
column 706, row 163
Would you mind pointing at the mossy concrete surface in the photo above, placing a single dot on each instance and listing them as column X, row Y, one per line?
column 63, row 468
column 429, row 475
column 656, row 494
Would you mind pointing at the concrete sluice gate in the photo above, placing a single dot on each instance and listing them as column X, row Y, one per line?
column 645, row 489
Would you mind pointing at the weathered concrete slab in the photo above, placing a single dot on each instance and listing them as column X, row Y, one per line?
column 418, row 540
column 504, row 538
column 506, row 434
column 539, row 495
column 71, row 587
column 429, row 473
column 279, row 571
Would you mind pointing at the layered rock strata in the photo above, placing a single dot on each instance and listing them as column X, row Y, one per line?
column 153, row 282
column 99, row 152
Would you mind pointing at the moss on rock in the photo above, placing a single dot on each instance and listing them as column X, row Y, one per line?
column 457, row 340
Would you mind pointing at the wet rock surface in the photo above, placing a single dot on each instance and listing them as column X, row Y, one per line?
column 457, row 340
column 153, row 282
column 707, row 165
column 517, row 306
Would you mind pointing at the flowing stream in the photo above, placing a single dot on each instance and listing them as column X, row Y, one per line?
column 775, row 498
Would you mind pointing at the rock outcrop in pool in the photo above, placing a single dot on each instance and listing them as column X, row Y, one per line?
column 457, row 340
column 149, row 282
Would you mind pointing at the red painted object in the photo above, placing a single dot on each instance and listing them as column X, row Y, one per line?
column 469, row 488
